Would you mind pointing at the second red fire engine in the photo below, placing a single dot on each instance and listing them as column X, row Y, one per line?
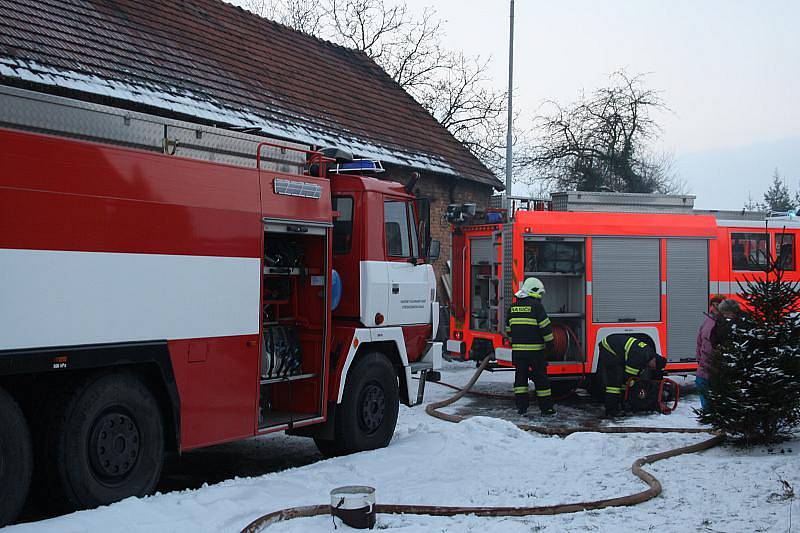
column 607, row 269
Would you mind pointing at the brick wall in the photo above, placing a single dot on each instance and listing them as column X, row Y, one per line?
column 442, row 190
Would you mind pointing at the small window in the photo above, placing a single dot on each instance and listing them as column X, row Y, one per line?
column 395, row 216
column 749, row 251
column 343, row 225
column 784, row 247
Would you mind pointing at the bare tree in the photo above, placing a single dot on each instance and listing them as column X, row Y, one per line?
column 452, row 87
column 601, row 141
column 658, row 170
column 300, row 15
column 367, row 25
column 455, row 89
column 463, row 100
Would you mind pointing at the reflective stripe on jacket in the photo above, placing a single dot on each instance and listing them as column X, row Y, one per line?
column 528, row 325
column 633, row 353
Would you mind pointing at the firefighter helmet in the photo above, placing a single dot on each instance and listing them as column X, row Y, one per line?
column 531, row 287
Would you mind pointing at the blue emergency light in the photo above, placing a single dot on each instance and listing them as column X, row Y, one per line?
column 357, row 166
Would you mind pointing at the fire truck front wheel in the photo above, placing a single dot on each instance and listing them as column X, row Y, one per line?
column 16, row 459
column 367, row 416
column 106, row 442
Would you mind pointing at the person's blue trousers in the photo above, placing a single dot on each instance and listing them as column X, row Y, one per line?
column 702, row 389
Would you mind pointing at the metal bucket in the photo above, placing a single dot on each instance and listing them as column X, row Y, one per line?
column 354, row 505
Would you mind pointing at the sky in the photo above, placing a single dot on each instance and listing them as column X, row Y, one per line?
column 728, row 69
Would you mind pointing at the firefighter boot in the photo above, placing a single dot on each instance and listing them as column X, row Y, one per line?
column 521, row 401
column 612, row 404
column 546, row 406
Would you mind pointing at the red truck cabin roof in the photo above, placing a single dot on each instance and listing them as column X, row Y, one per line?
column 352, row 183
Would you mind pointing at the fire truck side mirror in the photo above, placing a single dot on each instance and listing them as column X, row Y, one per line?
column 434, row 249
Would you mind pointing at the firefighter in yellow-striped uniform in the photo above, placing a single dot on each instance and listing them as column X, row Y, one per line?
column 623, row 356
column 531, row 338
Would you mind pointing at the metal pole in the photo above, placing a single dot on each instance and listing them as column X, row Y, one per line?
column 509, row 150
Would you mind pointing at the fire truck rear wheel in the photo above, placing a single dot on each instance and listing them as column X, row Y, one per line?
column 367, row 416
column 328, row 448
column 107, row 442
column 16, row 459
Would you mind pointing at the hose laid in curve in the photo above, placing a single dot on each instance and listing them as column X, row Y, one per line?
column 283, row 515
column 433, row 410
column 653, row 490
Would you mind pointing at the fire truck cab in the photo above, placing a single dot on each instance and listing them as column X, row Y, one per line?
column 169, row 285
column 607, row 269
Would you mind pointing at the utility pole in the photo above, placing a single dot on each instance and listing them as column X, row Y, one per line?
column 509, row 150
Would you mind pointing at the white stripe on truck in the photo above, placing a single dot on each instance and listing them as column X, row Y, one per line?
column 61, row 298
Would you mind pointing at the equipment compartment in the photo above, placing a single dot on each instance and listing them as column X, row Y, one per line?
column 294, row 324
column 484, row 284
column 559, row 262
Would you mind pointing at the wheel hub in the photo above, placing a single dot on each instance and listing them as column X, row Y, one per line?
column 114, row 446
column 373, row 407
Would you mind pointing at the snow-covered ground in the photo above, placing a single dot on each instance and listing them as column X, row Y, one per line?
column 488, row 461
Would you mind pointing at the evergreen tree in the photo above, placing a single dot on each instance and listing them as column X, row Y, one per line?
column 754, row 392
column 752, row 205
column 777, row 197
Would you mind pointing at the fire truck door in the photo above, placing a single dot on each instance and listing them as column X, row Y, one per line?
column 411, row 291
column 687, row 295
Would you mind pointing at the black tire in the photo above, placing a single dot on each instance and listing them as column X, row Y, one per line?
column 16, row 459
column 327, row 448
column 105, row 443
column 367, row 416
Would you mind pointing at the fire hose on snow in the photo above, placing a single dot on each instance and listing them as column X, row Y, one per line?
column 364, row 516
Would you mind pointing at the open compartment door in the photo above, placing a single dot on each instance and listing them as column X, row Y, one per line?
column 560, row 263
column 295, row 321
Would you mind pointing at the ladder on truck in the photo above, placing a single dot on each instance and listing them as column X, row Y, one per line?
column 38, row 112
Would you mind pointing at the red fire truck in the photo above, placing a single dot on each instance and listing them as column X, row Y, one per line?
column 606, row 269
column 168, row 285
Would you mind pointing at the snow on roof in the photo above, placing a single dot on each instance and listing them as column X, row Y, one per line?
column 180, row 58
column 193, row 106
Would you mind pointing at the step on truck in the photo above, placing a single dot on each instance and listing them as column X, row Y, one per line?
column 168, row 285
column 640, row 264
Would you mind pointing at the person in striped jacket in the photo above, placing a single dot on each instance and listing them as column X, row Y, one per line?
column 531, row 335
column 623, row 356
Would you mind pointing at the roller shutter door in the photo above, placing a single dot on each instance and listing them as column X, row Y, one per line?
column 481, row 251
column 626, row 283
column 687, row 295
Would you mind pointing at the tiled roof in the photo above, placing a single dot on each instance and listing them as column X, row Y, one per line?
column 219, row 63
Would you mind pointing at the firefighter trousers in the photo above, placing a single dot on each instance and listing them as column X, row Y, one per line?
column 529, row 364
column 611, row 371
